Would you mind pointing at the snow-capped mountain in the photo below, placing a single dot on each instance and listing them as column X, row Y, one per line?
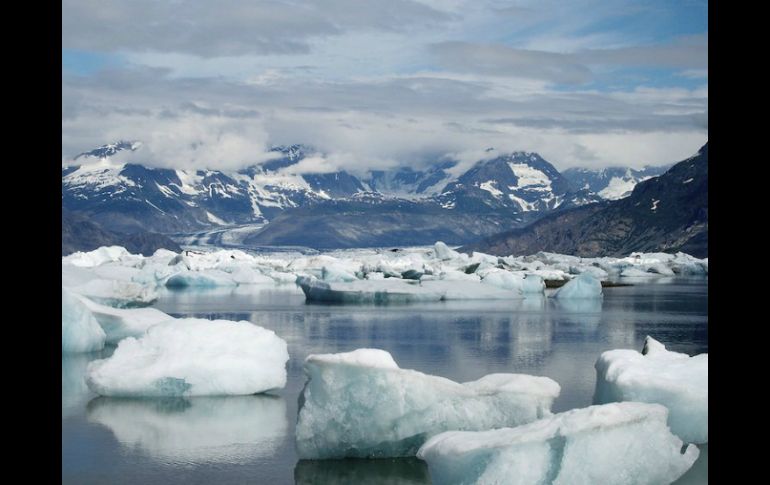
column 520, row 182
column 408, row 182
column 124, row 196
column 128, row 197
column 666, row 213
column 611, row 183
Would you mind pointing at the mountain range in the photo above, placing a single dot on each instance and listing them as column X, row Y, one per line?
column 668, row 213
column 282, row 205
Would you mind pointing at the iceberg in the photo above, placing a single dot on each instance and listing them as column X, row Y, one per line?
column 200, row 279
column 115, row 293
column 582, row 286
column 193, row 357
column 80, row 332
column 632, row 272
column 119, row 323
column 99, row 256
column 656, row 375
column 243, row 275
column 468, row 290
column 523, row 283
column 366, row 291
column 443, row 252
column 614, row 444
column 192, row 430
column 361, row 404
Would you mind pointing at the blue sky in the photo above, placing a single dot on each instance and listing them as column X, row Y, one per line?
column 373, row 84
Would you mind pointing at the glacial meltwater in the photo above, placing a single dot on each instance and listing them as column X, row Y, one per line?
column 250, row 439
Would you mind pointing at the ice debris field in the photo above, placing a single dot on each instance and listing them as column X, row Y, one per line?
column 111, row 276
column 648, row 406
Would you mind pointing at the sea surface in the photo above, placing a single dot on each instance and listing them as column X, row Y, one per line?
column 249, row 439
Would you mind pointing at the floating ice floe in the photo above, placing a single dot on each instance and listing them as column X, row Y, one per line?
column 80, row 332
column 361, row 404
column 656, row 375
column 192, row 430
column 193, row 357
column 366, row 291
column 582, row 286
column 613, row 444
column 119, row 323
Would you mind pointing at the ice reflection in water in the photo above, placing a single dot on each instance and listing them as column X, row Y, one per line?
column 201, row 429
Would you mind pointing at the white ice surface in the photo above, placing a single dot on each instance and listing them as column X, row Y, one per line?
column 673, row 379
column 119, row 323
column 193, row 357
column 360, row 404
column 613, row 444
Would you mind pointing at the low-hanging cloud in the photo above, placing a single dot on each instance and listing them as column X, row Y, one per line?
column 375, row 85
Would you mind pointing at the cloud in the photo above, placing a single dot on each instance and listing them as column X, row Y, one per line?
column 500, row 60
column 366, row 124
column 689, row 53
column 229, row 27
column 375, row 84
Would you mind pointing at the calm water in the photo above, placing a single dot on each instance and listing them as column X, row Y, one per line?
column 249, row 439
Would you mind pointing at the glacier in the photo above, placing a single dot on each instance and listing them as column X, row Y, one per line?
column 80, row 332
column 361, row 404
column 193, row 357
column 657, row 375
column 613, row 444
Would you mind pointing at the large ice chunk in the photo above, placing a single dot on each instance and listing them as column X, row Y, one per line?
column 119, row 323
column 193, row 357
column 366, row 291
column 614, row 444
column 80, row 332
column 361, row 404
column 582, row 286
column 656, row 375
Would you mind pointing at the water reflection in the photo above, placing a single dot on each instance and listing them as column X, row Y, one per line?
column 74, row 392
column 200, row 429
column 586, row 312
column 393, row 471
